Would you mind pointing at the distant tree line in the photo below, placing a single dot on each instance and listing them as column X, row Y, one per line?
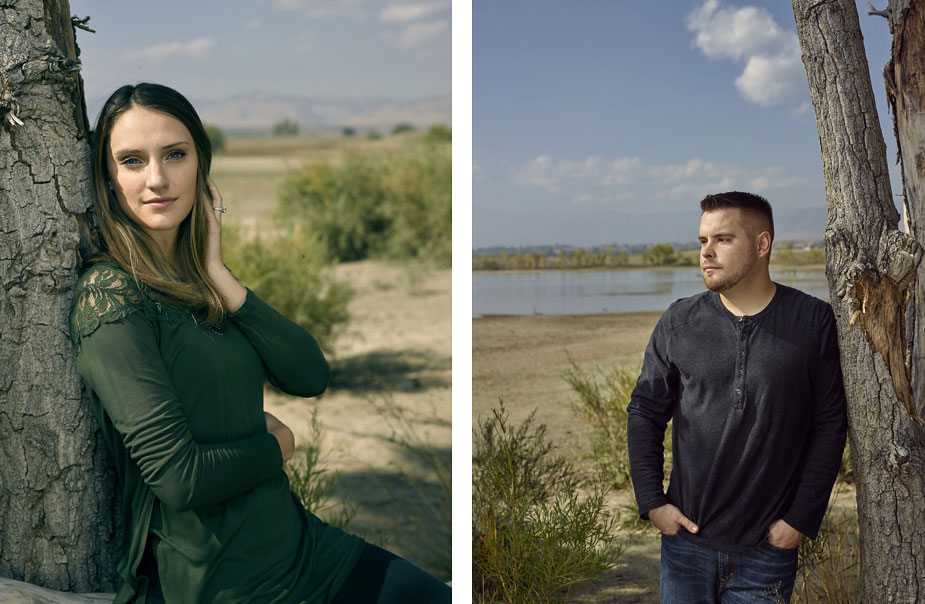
column 610, row 257
column 660, row 254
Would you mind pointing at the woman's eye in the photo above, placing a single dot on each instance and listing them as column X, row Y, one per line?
column 130, row 161
column 175, row 154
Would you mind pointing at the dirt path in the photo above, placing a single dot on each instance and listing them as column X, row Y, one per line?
column 395, row 355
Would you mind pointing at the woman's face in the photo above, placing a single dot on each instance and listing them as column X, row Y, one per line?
column 152, row 163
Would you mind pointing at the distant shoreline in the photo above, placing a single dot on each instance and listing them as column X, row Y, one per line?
column 774, row 266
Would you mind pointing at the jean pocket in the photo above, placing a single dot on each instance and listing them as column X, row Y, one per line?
column 782, row 550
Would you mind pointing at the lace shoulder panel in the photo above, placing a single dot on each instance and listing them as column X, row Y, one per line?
column 104, row 294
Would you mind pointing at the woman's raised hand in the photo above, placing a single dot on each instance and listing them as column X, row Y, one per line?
column 283, row 435
column 233, row 292
column 214, row 244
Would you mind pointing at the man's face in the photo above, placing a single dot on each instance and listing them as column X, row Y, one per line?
column 728, row 248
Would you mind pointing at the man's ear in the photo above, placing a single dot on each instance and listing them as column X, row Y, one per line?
column 763, row 244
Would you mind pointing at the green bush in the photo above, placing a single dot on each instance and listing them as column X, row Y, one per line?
column 438, row 133
column 418, row 185
column 314, row 484
column 343, row 202
column 216, row 137
column 402, row 127
column 661, row 254
column 287, row 127
column 602, row 402
column 533, row 537
column 289, row 270
column 366, row 205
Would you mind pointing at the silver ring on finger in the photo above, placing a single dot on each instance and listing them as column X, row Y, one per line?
column 221, row 209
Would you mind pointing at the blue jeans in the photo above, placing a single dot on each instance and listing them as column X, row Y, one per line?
column 695, row 574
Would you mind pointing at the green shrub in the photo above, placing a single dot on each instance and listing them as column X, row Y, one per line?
column 402, row 127
column 366, row 205
column 418, row 185
column 661, row 254
column 314, row 484
column 438, row 133
column 602, row 402
column 289, row 270
column 287, row 127
column 216, row 137
column 343, row 202
column 533, row 537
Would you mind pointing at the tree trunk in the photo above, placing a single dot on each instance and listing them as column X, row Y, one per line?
column 876, row 290
column 57, row 510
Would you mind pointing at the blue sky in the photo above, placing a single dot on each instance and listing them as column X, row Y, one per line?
column 590, row 116
column 320, row 49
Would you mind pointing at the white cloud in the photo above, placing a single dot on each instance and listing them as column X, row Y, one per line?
column 253, row 24
column 773, row 72
column 318, row 9
column 196, row 49
column 418, row 34
column 402, row 13
column 596, row 179
column 772, row 80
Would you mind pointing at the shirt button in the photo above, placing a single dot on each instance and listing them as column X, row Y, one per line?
column 741, row 372
column 738, row 391
column 740, row 319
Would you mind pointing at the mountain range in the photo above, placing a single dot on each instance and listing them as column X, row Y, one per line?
column 258, row 111
column 799, row 224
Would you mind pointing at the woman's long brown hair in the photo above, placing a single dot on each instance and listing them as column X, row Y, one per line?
column 181, row 281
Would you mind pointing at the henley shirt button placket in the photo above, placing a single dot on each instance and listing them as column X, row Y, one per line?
column 740, row 364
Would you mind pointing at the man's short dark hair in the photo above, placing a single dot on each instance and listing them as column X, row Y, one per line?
column 747, row 202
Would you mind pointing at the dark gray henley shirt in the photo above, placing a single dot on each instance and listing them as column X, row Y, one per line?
column 758, row 410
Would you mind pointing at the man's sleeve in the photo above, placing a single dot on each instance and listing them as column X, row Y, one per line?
column 651, row 407
column 826, row 438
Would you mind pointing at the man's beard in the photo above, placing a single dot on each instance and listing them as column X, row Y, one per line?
column 726, row 280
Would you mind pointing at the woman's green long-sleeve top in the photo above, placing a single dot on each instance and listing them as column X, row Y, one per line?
column 180, row 406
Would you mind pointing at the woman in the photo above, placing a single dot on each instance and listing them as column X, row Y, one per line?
column 174, row 353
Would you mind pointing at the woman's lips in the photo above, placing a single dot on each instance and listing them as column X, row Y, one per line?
column 159, row 203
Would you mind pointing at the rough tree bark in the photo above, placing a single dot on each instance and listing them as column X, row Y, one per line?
column 57, row 510
column 876, row 280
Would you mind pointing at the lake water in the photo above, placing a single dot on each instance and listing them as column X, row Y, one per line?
column 591, row 292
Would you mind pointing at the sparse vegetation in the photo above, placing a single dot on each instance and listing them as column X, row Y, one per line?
column 314, row 484
column 290, row 271
column 403, row 127
column 365, row 205
column 438, row 133
column 829, row 566
column 533, row 537
column 286, row 127
column 433, row 500
column 216, row 137
column 662, row 254
column 602, row 402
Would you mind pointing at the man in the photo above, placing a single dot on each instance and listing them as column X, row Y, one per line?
column 750, row 375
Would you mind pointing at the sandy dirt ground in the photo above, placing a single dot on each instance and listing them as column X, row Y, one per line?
column 394, row 358
column 521, row 359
